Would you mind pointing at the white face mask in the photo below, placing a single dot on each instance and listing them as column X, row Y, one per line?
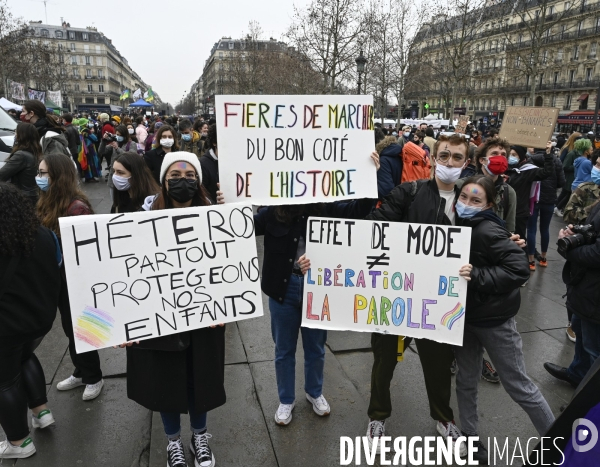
column 167, row 142
column 121, row 183
column 130, row 131
column 407, row 134
column 447, row 175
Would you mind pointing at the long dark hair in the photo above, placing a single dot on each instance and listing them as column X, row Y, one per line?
column 163, row 201
column 159, row 133
column 39, row 110
column 288, row 213
column 19, row 226
column 27, row 139
column 122, row 129
column 142, row 183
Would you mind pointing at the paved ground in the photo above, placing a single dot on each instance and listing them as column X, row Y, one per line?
column 114, row 431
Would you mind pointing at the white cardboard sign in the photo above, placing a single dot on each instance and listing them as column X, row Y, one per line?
column 295, row 149
column 395, row 278
column 141, row 275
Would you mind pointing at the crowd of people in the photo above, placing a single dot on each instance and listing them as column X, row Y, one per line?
column 498, row 189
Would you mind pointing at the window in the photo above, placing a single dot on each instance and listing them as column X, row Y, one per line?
column 61, row 58
column 59, row 34
column 520, row 38
column 527, row 79
column 220, row 54
column 517, row 62
column 73, row 59
column 524, row 102
column 593, row 49
column 77, row 87
column 597, row 22
column 86, row 49
column 567, row 6
column 537, row 14
column 231, row 46
column 553, row 101
column 551, row 10
column 547, row 33
column 579, row 26
column 72, row 46
column 85, row 36
column 588, row 74
column 89, row 100
column 101, row 100
column 512, row 101
column 575, row 52
column 98, row 49
column 559, row 55
column 571, row 76
column 60, row 46
column 63, row 71
column 90, row 87
column 72, row 35
column 87, row 60
column 545, row 57
column 44, row 33
column 88, row 73
column 101, row 87
column 556, row 75
column 568, row 102
column 100, row 74
column 563, row 29
column 75, row 72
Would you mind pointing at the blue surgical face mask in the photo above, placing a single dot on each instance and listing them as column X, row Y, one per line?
column 43, row 183
column 465, row 211
column 595, row 175
column 120, row 139
column 513, row 160
column 186, row 137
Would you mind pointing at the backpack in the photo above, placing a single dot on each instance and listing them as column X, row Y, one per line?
column 415, row 163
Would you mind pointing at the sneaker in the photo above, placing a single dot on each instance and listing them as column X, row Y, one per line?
column 525, row 284
column 320, row 405
column 453, row 367
column 450, row 429
column 10, row 451
column 488, row 373
column 571, row 334
column 92, row 390
column 532, row 265
column 69, row 383
column 543, row 262
column 376, row 429
column 559, row 212
column 203, row 456
column 283, row 416
column 175, row 454
column 481, row 454
column 43, row 419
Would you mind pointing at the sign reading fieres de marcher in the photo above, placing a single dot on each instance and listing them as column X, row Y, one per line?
column 531, row 127
column 386, row 277
column 141, row 275
column 295, row 149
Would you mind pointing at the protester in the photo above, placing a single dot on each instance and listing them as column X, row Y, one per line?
column 406, row 133
column 390, row 173
column 112, row 148
column 567, row 157
column 585, row 195
column 498, row 268
column 163, row 378
column 21, row 166
column 140, row 131
column 132, row 182
column 418, row 138
column 202, row 128
column 543, row 208
column 72, row 135
column 91, row 169
column 61, row 196
column 165, row 142
column 29, row 267
column 582, row 163
column 53, row 140
column 131, row 132
column 106, row 125
column 210, row 164
column 429, row 140
column 150, row 138
column 190, row 139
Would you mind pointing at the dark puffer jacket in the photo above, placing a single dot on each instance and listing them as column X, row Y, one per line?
column 499, row 269
column 581, row 273
column 521, row 181
column 21, row 169
column 555, row 181
column 390, row 173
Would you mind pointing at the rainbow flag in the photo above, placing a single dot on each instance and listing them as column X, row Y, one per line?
column 82, row 155
column 452, row 316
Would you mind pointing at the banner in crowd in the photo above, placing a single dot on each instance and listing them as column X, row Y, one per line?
column 141, row 275
column 295, row 149
column 461, row 125
column 17, row 90
column 388, row 277
column 531, row 127
column 137, row 94
column 37, row 95
column 55, row 96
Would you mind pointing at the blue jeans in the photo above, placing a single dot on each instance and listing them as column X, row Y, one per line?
column 587, row 347
column 286, row 318
column 545, row 212
column 172, row 420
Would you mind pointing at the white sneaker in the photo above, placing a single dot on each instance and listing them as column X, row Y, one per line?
column 447, row 429
column 43, row 419
column 10, row 451
column 69, row 383
column 283, row 416
column 92, row 390
column 376, row 429
column 320, row 405
column 558, row 212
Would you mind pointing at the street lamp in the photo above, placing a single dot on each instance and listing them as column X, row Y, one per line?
column 361, row 61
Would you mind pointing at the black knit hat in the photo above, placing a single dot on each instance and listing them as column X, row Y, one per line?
column 521, row 151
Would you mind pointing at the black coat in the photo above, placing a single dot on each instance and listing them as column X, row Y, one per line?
column 500, row 267
column 157, row 379
column 154, row 159
column 72, row 135
column 550, row 185
column 210, row 175
column 281, row 241
column 521, row 181
column 28, row 305
column 21, row 169
column 581, row 273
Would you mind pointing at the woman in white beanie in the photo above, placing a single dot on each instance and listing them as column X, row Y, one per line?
column 173, row 381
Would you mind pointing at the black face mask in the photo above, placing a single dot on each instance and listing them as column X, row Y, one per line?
column 182, row 190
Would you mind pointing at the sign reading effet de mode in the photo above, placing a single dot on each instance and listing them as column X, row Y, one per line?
column 295, row 149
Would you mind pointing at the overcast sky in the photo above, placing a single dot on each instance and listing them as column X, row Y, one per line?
column 165, row 42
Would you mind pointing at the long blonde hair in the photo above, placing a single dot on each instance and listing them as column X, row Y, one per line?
column 570, row 143
column 63, row 190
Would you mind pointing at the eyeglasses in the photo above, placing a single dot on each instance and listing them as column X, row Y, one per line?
column 42, row 173
column 445, row 157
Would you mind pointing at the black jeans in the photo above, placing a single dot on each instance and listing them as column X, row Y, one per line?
column 22, row 384
column 87, row 365
column 521, row 226
column 563, row 198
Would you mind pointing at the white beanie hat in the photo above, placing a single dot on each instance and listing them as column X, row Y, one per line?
column 180, row 156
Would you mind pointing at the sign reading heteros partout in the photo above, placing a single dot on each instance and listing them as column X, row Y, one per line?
column 531, row 127
column 295, row 149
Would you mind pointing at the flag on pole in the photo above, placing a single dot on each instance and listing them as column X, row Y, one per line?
column 150, row 96
column 146, row 95
column 137, row 94
column 125, row 95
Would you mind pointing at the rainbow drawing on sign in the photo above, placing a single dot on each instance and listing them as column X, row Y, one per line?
column 94, row 327
column 453, row 315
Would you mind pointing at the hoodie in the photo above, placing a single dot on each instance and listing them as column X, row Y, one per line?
column 583, row 171
column 390, row 172
column 193, row 146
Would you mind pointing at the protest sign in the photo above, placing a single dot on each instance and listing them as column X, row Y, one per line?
column 141, row 275
column 17, row 90
column 36, row 94
column 531, row 127
column 295, row 149
column 395, row 278
column 461, row 126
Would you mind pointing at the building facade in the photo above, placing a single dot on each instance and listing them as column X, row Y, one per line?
column 94, row 72
column 542, row 53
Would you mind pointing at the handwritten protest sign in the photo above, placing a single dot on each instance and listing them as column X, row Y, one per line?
column 147, row 274
column 295, row 149
column 394, row 278
column 531, row 127
column 461, row 126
